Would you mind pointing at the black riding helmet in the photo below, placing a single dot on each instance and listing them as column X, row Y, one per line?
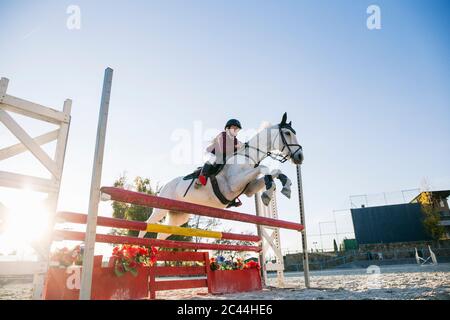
column 233, row 122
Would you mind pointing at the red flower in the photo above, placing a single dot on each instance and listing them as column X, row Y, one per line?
column 132, row 256
column 134, row 251
column 143, row 251
column 67, row 257
column 252, row 265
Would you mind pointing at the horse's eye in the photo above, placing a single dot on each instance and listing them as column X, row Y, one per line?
column 288, row 133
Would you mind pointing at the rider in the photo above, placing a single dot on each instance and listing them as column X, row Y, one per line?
column 223, row 146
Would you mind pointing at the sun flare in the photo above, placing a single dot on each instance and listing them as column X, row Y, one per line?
column 26, row 219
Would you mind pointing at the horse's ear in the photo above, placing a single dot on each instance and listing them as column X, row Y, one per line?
column 290, row 123
column 283, row 120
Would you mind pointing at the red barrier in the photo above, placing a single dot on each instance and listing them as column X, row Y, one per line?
column 63, row 283
column 218, row 282
column 137, row 225
column 106, row 285
column 232, row 281
column 107, row 238
column 147, row 200
column 159, row 271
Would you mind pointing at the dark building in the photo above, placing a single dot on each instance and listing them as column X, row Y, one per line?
column 401, row 222
column 386, row 224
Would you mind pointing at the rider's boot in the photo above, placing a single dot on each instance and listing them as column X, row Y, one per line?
column 203, row 177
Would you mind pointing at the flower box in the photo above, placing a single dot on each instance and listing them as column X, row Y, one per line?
column 106, row 285
column 64, row 284
column 232, row 281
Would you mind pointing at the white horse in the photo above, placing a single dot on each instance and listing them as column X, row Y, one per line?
column 241, row 174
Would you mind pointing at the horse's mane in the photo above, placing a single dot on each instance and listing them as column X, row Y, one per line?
column 264, row 125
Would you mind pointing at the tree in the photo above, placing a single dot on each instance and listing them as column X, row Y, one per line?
column 240, row 254
column 432, row 217
column 130, row 211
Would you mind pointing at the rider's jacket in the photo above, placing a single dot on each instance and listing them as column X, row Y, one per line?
column 223, row 146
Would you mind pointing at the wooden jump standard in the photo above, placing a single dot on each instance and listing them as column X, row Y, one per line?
column 147, row 200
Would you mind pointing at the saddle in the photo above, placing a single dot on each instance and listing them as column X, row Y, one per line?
column 214, row 170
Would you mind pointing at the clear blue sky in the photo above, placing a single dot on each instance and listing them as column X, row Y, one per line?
column 371, row 107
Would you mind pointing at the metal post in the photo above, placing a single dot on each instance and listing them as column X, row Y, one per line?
column 320, row 236
column 91, row 225
column 262, row 255
column 303, row 222
column 336, row 230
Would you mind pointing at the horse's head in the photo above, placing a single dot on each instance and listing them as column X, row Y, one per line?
column 286, row 142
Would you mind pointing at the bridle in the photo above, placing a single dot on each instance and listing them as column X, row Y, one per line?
column 288, row 145
column 278, row 157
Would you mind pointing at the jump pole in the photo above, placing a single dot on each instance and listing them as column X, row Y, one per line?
column 146, row 200
column 303, row 222
column 107, row 238
column 81, row 218
column 94, row 198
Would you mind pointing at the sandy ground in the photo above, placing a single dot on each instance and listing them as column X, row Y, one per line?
column 406, row 282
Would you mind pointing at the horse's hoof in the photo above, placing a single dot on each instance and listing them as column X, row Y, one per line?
column 265, row 199
column 286, row 192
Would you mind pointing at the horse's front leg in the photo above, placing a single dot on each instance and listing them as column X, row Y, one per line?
column 267, row 195
column 239, row 180
column 255, row 186
column 265, row 182
column 285, row 182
